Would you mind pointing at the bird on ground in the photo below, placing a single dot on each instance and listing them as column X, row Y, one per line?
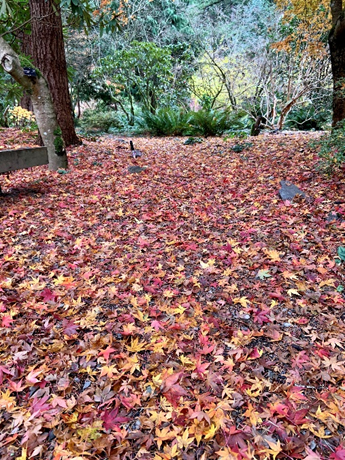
column 135, row 153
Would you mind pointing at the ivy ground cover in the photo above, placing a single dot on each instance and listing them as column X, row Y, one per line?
column 185, row 312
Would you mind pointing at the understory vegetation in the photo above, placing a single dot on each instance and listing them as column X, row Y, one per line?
column 171, row 59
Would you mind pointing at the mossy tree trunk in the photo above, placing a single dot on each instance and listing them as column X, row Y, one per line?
column 42, row 104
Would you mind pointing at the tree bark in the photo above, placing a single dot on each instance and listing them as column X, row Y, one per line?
column 48, row 53
column 337, row 51
column 42, row 104
column 25, row 47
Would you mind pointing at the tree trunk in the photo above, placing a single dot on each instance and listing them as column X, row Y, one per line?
column 25, row 47
column 337, row 50
column 48, row 53
column 42, row 104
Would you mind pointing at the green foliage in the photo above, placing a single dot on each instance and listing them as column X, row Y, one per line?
column 9, row 96
column 341, row 253
column 143, row 76
column 176, row 122
column 58, row 141
column 143, row 72
column 209, row 122
column 101, row 120
column 165, row 122
column 240, row 147
column 239, row 125
column 307, row 117
column 332, row 148
column 193, row 140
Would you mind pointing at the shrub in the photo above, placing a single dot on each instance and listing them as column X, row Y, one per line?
column 308, row 118
column 332, row 148
column 101, row 120
column 21, row 118
column 240, row 147
column 176, row 122
column 165, row 122
column 208, row 122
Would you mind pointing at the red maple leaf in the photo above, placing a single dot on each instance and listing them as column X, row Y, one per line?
column 48, row 295
column 112, row 420
column 107, row 352
column 339, row 454
column 4, row 370
column 7, row 321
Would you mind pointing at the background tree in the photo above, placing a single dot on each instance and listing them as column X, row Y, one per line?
column 48, row 53
column 316, row 25
column 46, row 120
column 337, row 49
column 46, row 44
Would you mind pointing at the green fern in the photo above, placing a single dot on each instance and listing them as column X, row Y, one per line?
column 165, row 122
column 209, row 122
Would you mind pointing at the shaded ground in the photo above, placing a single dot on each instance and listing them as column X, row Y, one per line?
column 184, row 312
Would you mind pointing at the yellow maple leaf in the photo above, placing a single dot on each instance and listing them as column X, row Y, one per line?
column 289, row 275
column 132, row 364
column 134, row 301
column 253, row 415
column 321, row 415
column 140, row 316
column 184, row 440
column 293, row 291
column 273, row 255
column 177, row 311
column 7, row 401
column 227, row 454
column 164, row 435
column 136, row 346
column 243, row 301
column 168, row 294
column 329, row 282
column 274, row 449
column 321, row 433
column 208, row 264
column 219, row 418
column 109, row 371
column 209, row 434
column 23, row 456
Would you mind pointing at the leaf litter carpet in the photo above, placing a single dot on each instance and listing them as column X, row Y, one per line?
column 185, row 312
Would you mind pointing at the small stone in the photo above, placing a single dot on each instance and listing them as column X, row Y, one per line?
column 289, row 191
column 137, row 425
column 334, row 217
column 86, row 384
column 51, row 435
column 287, row 324
column 312, row 444
column 135, row 169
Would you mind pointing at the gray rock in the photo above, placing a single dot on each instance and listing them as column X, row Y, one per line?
column 135, row 169
column 289, row 191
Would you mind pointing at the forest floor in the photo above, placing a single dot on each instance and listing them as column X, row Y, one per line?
column 184, row 312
